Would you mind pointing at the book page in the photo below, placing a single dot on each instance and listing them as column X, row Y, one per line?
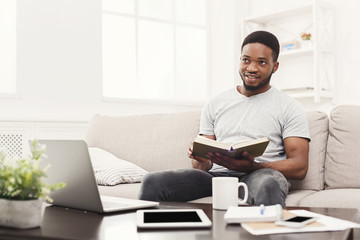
column 249, row 142
column 213, row 143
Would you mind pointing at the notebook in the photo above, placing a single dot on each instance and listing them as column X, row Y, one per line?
column 248, row 214
column 70, row 162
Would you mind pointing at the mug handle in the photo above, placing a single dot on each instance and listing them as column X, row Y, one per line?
column 246, row 193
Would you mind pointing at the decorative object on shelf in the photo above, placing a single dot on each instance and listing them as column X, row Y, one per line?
column 306, row 36
column 306, row 40
column 286, row 46
column 22, row 189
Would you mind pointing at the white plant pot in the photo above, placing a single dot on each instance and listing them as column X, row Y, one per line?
column 20, row 213
column 306, row 43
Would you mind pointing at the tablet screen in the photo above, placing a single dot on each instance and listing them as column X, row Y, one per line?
column 169, row 217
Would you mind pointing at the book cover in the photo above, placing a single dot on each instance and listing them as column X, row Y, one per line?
column 202, row 146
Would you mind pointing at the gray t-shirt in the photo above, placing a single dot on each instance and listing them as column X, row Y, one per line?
column 233, row 117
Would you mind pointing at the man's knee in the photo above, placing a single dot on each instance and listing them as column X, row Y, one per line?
column 272, row 179
column 176, row 185
column 269, row 187
column 151, row 186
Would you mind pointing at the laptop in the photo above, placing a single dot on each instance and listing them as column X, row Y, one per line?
column 70, row 162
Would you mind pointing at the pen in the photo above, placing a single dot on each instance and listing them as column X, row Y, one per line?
column 262, row 209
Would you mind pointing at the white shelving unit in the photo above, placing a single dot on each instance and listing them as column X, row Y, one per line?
column 305, row 71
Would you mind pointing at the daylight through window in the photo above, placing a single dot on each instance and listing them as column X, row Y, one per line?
column 8, row 84
column 155, row 49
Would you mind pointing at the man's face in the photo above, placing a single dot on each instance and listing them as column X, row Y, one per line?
column 256, row 67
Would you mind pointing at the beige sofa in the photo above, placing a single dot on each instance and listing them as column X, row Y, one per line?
column 160, row 141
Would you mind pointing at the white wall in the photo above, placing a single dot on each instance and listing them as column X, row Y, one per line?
column 59, row 59
column 222, row 45
column 59, row 62
column 347, row 51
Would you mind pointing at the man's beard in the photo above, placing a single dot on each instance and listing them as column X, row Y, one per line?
column 255, row 88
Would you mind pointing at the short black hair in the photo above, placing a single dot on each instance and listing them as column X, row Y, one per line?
column 266, row 38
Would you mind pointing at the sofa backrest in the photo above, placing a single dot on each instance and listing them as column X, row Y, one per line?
column 153, row 141
column 342, row 166
column 319, row 130
column 158, row 142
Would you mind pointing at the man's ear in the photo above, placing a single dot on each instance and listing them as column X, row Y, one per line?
column 275, row 68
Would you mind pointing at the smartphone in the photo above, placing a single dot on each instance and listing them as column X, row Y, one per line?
column 296, row 222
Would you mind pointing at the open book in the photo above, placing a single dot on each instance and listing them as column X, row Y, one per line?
column 202, row 146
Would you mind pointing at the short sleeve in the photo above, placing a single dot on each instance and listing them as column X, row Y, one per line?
column 295, row 122
column 207, row 120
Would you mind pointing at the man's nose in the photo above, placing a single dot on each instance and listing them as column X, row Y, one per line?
column 252, row 67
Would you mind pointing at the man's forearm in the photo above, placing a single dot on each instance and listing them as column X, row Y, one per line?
column 290, row 168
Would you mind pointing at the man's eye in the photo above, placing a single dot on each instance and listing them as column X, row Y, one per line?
column 245, row 60
column 262, row 63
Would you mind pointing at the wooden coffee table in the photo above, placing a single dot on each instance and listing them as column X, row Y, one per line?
column 62, row 223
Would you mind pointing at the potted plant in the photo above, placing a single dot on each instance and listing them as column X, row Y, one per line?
column 22, row 189
column 305, row 39
column 306, row 36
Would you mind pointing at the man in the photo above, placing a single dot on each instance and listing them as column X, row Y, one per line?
column 249, row 111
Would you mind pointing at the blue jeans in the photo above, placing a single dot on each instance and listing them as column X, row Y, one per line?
column 266, row 186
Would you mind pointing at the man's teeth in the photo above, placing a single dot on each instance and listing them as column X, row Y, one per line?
column 251, row 77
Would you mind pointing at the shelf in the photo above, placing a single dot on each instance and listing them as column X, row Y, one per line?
column 307, row 92
column 299, row 92
column 297, row 52
column 280, row 14
column 314, row 63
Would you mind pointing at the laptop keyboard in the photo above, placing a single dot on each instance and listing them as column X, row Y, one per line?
column 107, row 205
column 113, row 204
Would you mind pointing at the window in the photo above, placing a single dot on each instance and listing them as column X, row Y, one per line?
column 8, row 84
column 155, row 49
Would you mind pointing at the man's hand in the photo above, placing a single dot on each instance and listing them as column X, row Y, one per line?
column 198, row 162
column 246, row 164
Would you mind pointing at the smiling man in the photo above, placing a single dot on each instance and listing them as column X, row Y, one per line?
column 257, row 66
column 249, row 111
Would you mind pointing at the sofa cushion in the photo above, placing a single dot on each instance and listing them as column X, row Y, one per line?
column 333, row 198
column 153, row 141
column 314, row 179
column 342, row 164
column 129, row 190
column 110, row 170
column 294, row 197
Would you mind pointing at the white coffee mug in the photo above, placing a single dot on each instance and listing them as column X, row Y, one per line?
column 225, row 191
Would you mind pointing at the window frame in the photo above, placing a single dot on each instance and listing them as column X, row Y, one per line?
column 166, row 101
column 13, row 22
